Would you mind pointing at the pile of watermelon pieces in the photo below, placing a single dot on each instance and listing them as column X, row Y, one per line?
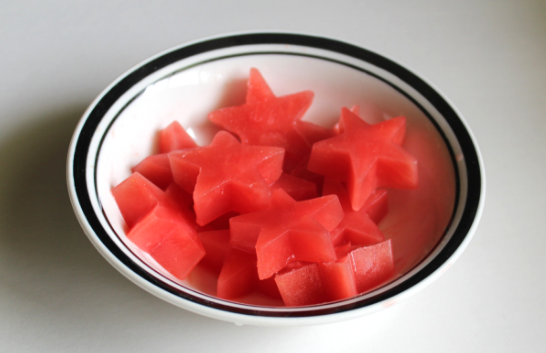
column 274, row 204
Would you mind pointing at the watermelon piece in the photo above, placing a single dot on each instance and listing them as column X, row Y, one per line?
column 288, row 231
column 365, row 157
column 173, row 138
column 314, row 133
column 358, row 227
column 301, row 171
column 156, row 169
column 269, row 287
column 177, row 255
column 377, row 205
column 238, row 276
column 267, row 120
column 227, row 176
column 355, row 109
column 343, row 250
column 220, row 223
column 136, row 196
column 372, row 265
column 170, row 239
column 179, row 196
column 299, row 189
column 301, row 286
column 245, row 229
column 216, row 245
column 339, row 279
column 355, row 272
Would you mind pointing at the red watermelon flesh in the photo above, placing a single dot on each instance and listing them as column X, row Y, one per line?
column 302, row 172
column 220, row 223
column 343, row 250
column 238, row 276
column 157, row 169
column 245, row 229
column 179, row 196
column 302, row 286
column 358, row 271
column 337, row 129
column 177, row 255
column 136, row 196
column 227, row 176
column 358, row 227
column 288, row 231
column 257, row 89
column 338, row 279
column 299, row 189
column 216, row 245
column 170, row 239
column 269, row 287
column 372, row 265
column 268, row 120
column 296, row 231
column 173, row 138
column 365, row 157
column 314, row 133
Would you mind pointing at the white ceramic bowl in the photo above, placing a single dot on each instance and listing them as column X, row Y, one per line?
column 429, row 227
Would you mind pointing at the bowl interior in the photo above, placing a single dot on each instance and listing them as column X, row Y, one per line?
column 417, row 219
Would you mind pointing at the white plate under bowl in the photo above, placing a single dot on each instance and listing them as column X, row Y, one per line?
column 429, row 227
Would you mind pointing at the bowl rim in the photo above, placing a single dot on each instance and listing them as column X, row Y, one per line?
column 80, row 198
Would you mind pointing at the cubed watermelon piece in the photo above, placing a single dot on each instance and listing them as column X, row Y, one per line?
column 238, row 276
column 372, row 265
column 170, row 239
column 216, row 245
column 136, row 196
column 179, row 196
column 338, row 279
column 301, row 286
column 269, row 287
column 157, row 169
column 177, row 254
column 173, row 138
column 358, row 271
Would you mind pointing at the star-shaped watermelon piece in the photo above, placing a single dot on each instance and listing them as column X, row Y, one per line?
column 268, row 120
column 358, row 227
column 366, row 157
column 227, row 176
column 288, row 231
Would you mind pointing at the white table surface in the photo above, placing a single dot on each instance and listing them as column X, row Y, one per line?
column 57, row 294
